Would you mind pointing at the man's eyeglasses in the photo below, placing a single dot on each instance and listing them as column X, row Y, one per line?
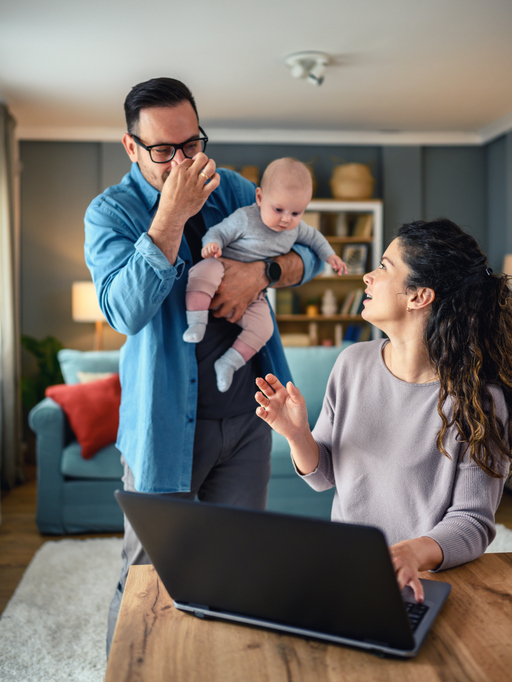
column 163, row 153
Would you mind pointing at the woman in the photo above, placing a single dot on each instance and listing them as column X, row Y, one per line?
column 414, row 430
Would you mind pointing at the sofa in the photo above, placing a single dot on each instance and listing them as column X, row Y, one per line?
column 75, row 495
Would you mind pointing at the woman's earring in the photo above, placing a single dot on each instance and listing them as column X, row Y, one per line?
column 408, row 309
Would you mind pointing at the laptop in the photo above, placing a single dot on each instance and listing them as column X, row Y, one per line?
column 318, row 579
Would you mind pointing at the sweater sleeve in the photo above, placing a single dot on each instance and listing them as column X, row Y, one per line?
column 229, row 230
column 316, row 241
column 468, row 526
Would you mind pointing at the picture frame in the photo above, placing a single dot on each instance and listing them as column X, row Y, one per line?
column 355, row 256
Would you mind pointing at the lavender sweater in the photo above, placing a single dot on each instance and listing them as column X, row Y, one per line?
column 377, row 441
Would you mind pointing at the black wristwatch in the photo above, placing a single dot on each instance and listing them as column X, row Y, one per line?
column 272, row 271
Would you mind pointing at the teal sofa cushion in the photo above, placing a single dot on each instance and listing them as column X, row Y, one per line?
column 106, row 463
column 310, row 367
column 73, row 361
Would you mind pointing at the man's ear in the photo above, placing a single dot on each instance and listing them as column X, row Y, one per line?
column 422, row 298
column 130, row 147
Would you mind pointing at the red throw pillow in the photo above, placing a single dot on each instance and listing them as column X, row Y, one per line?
column 92, row 410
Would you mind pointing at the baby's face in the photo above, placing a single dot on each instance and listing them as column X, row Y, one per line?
column 281, row 208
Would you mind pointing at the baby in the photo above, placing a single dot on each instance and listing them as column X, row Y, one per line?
column 266, row 229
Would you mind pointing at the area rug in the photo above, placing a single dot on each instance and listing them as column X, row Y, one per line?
column 54, row 626
column 53, row 629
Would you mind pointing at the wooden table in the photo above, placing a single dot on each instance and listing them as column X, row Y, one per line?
column 470, row 641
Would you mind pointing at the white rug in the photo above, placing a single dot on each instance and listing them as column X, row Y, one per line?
column 54, row 626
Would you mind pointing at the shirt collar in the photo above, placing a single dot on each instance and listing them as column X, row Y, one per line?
column 150, row 195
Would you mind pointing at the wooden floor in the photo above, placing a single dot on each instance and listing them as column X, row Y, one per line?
column 20, row 538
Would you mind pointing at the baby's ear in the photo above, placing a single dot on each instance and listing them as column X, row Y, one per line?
column 258, row 196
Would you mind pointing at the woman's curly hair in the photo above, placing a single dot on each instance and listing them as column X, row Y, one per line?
column 468, row 335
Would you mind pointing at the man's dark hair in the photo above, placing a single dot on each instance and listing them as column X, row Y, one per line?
column 157, row 92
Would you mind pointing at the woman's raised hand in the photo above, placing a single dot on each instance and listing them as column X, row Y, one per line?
column 284, row 409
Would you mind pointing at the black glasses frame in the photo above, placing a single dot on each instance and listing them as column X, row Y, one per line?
column 176, row 147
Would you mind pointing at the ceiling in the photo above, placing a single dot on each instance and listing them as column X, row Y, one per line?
column 403, row 69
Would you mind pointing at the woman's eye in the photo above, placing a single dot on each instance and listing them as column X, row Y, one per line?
column 382, row 266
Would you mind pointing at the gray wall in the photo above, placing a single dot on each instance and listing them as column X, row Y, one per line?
column 432, row 182
column 470, row 185
column 58, row 181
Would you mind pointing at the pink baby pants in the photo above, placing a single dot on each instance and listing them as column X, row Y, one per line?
column 256, row 322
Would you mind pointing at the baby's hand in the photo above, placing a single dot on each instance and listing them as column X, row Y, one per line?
column 211, row 250
column 337, row 264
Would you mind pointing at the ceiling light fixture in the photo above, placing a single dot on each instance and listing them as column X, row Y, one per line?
column 309, row 65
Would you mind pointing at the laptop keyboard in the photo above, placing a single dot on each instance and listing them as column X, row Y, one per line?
column 415, row 613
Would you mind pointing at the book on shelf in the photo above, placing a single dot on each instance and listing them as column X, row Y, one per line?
column 355, row 308
column 353, row 332
column 347, row 303
column 287, row 302
column 312, row 218
column 364, row 225
column 366, row 333
column 341, row 226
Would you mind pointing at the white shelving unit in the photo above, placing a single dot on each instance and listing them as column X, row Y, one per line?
column 337, row 221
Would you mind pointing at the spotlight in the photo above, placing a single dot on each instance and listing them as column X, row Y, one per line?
column 316, row 74
column 309, row 65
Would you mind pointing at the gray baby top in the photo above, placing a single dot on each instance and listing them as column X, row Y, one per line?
column 243, row 236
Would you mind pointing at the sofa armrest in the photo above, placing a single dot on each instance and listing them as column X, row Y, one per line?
column 49, row 423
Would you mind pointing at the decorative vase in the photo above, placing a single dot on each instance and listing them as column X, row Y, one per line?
column 352, row 181
column 328, row 303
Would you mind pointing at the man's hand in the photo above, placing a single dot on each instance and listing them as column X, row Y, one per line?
column 241, row 283
column 184, row 193
column 211, row 250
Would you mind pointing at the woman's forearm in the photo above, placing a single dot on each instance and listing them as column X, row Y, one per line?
column 305, row 453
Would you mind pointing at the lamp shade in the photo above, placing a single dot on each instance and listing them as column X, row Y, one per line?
column 507, row 264
column 85, row 306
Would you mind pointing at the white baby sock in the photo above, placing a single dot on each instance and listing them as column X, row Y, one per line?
column 226, row 366
column 197, row 321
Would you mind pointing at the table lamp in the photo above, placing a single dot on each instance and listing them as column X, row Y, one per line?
column 85, row 308
column 507, row 264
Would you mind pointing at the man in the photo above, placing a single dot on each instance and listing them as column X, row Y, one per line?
column 177, row 433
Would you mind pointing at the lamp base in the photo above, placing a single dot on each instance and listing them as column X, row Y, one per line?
column 98, row 335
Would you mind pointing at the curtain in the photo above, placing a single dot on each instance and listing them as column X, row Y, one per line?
column 11, row 459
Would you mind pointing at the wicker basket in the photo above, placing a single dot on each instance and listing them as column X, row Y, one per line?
column 352, row 181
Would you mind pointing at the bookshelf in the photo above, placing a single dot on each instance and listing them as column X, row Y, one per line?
column 306, row 314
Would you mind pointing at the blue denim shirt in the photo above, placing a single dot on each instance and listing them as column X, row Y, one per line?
column 143, row 296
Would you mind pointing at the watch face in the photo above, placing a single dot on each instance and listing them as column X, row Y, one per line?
column 273, row 271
